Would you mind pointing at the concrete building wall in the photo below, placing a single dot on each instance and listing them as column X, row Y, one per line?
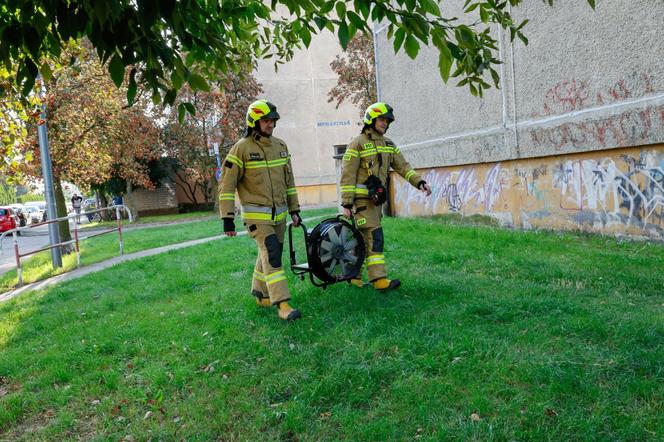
column 588, row 81
column 617, row 191
column 309, row 124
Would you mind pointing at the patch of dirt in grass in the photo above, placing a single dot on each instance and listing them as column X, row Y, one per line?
column 29, row 427
column 7, row 387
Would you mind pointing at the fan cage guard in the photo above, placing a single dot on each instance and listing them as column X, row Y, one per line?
column 335, row 252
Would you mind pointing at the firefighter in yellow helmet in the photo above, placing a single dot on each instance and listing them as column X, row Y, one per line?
column 366, row 165
column 259, row 168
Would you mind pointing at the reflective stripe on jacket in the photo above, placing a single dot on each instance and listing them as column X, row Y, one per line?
column 362, row 159
column 260, row 170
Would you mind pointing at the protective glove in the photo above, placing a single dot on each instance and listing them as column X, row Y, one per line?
column 229, row 226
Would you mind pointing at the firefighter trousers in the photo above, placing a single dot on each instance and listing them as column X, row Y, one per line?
column 367, row 219
column 269, row 279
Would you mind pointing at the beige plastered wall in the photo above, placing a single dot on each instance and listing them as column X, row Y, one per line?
column 616, row 192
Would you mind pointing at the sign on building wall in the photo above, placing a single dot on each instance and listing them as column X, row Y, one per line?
column 333, row 123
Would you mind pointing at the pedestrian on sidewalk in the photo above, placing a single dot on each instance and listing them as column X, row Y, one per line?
column 76, row 203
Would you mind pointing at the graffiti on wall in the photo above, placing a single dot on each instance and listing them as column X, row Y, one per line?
column 454, row 190
column 623, row 191
column 629, row 128
column 630, row 194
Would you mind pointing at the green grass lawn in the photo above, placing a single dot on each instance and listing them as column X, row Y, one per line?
column 107, row 246
column 189, row 216
column 494, row 335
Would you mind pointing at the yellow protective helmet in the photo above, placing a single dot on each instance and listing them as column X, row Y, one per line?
column 261, row 109
column 376, row 110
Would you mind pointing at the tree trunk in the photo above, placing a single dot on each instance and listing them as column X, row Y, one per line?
column 102, row 202
column 61, row 210
column 129, row 201
column 215, row 189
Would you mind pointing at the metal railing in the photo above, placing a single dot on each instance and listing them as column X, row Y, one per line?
column 76, row 241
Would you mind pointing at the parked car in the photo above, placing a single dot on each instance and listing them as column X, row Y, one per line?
column 7, row 219
column 19, row 211
column 89, row 204
column 41, row 205
column 33, row 214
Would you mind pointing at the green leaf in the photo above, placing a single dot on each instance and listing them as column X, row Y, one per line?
column 343, row 35
column 341, row 10
column 412, row 46
column 132, row 88
column 46, row 72
column 496, row 77
column 169, row 98
column 327, row 7
column 471, row 8
column 591, row 3
column 465, row 35
column 473, row 89
column 398, row 39
column 320, row 22
column 101, row 10
column 445, row 64
column 198, row 83
column 190, row 108
column 29, row 73
column 305, row 35
column 356, row 20
column 117, row 69
column 156, row 97
column 363, row 7
column 181, row 112
column 484, row 15
column 431, row 6
column 176, row 79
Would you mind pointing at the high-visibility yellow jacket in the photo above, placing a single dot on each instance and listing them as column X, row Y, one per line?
column 371, row 154
column 259, row 168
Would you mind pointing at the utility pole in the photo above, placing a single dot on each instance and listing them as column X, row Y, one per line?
column 51, row 212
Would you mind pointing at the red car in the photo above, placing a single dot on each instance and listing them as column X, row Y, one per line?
column 7, row 219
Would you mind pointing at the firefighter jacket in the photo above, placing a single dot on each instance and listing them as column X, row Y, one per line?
column 259, row 168
column 371, row 154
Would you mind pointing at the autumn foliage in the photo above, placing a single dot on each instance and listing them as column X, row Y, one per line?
column 357, row 75
column 219, row 118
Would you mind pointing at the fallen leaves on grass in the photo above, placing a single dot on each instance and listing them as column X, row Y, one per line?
column 209, row 368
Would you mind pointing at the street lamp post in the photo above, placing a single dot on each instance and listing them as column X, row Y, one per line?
column 51, row 213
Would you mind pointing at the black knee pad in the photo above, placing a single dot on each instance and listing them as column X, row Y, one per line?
column 273, row 247
column 378, row 240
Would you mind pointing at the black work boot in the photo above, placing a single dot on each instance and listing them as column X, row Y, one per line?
column 261, row 300
column 384, row 284
column 288, row 313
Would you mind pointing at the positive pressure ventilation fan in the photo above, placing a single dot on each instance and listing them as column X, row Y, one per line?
column 335, row 252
